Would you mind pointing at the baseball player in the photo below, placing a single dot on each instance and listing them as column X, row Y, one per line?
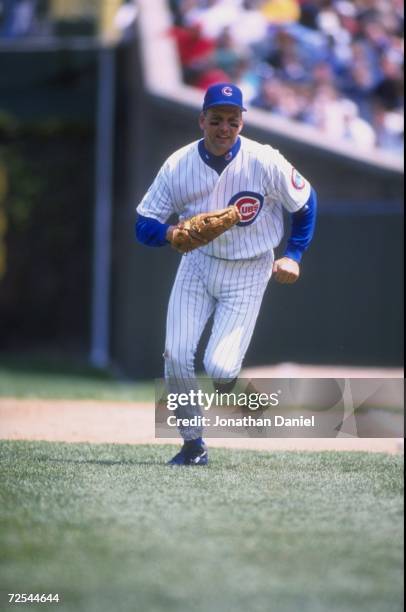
column 226, row 276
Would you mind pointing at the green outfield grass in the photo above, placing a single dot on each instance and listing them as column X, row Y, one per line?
column 59, row 378
column 111, row 528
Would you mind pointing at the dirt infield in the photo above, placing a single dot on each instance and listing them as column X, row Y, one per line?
column 133, row 423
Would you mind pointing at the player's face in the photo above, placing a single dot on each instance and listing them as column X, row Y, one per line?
column 221, row 126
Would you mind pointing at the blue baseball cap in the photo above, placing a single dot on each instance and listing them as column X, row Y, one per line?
column 223, row 94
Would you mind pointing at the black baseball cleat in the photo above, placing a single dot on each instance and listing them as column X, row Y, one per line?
column 191, row 453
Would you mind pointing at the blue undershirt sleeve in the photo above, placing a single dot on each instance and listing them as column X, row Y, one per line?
column 302, row 229
column 151, row 232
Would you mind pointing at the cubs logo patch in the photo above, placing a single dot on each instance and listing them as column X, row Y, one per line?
column 298, row 181
column 249, row 205
column 227, row 91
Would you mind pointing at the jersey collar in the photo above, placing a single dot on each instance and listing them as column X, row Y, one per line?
column 218, row 162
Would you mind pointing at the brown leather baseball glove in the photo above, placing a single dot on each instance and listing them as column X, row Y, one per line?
column 203, row 228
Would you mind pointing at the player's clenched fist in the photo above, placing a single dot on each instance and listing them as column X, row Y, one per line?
column 286, row 270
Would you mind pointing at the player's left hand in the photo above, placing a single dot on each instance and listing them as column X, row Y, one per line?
column 286, row 270
column 199, row 230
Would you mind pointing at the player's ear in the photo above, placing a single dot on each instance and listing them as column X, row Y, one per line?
column 202, row 117
column 241, row 124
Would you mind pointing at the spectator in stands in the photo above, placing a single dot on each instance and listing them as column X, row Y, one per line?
column 281, row 11
column 195, row 50
column 389, row 89
column 226, row 55
column 389, row 129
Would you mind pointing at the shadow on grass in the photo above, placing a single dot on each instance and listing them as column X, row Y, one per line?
column 143, row 463
column 107, row 462
column 134, row 462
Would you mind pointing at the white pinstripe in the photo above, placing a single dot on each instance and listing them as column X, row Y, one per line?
column 185, row 185
column 204, row 284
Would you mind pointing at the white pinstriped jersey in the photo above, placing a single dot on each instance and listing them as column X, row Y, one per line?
column 259, row 180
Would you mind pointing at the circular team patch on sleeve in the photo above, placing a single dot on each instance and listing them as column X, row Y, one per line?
column 249, row 205
column 298, row 181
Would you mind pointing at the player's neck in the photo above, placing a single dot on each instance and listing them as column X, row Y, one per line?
column 226, row 154
column 218, row 162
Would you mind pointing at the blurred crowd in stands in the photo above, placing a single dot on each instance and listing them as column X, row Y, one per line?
column 336, row 65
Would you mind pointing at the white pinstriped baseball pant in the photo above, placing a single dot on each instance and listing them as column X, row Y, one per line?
column 233, row 291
